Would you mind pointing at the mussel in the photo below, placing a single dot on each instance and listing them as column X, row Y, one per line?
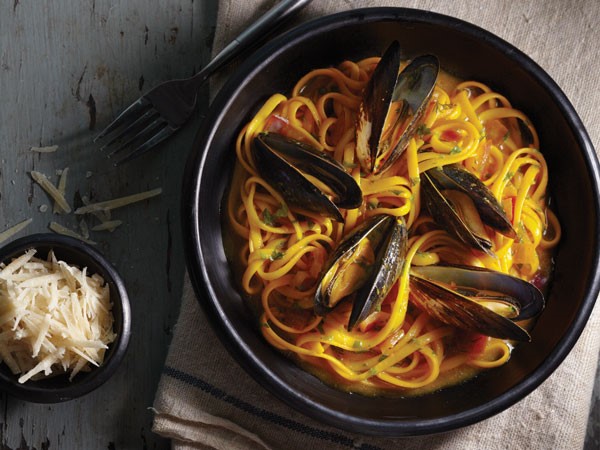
column 462, row 204
column 456, row 295
column 391, row 108
column 363, row 268
column 283, row 163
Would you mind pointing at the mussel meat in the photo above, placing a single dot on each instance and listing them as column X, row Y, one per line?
column 458, row 201
column 392, row 105
column 363, row 268
column 283, row 163
column 465, row 297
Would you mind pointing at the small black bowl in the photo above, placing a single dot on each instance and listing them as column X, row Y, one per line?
column 470, row 53
column 74, row 252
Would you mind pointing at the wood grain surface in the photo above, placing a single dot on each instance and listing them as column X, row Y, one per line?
column 67, row 67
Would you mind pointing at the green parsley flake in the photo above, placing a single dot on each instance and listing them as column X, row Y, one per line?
column 276, row 255
column 456, row 149
column 423, row 130
column 268, row 218
column 444, row 106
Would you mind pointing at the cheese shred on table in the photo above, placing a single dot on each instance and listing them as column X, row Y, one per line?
column 54, row 318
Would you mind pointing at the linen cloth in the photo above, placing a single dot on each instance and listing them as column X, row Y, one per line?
column 205, row 399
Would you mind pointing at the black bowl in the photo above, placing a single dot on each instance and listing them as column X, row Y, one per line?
column 74, row 252
column 469, row 52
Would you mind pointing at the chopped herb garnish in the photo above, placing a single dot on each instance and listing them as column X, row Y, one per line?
column 444, row 106
column 372, row 205
column 506, row 136
column 423, row 130
column 508, row 176
column 372, row 371
column 271, row 219
column 395, row 192
column 414, row 181
column 382, row 357
column 456, row 149
column 268, row 218
column 282, row 211
column 265, row 325
column 357, row 344
column 349, row 165
column 276, row 255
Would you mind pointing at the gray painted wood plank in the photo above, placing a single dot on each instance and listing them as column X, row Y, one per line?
column 66, row 68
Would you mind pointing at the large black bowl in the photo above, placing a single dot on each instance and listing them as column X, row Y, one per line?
column 469, row 52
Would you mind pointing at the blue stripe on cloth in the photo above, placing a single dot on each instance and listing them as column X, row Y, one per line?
column 264, row 414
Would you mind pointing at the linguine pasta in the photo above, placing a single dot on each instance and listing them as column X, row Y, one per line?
column 397, row 347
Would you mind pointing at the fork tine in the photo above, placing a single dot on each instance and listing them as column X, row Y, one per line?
column 144, row 134
column 130, row 113
column 132, row 128
column 158, row 137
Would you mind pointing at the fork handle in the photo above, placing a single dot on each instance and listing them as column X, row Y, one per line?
column 251, row 36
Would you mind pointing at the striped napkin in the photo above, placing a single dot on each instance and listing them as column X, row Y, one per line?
column 206, row 401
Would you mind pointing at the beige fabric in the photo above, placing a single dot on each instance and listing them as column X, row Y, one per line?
column 205, row 400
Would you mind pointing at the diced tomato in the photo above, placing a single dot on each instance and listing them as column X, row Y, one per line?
column 478, row 343
column 374, row 319
column 496, row 131
column 308, row 121
column 277, row 124
column 540, row 280
column 450, row 136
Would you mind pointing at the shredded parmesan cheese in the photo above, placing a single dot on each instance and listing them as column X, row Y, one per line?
column 54, row 318
column 47, row 149
column 109, row 225
column 58, row 228
column 14, row 229
column 51, row 190
column 62, row 188
column 118, row 202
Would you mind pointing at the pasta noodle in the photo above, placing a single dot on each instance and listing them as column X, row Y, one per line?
column 397, row 348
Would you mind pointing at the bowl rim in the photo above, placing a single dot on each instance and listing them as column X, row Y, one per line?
column 98, row 376
column 197, row 262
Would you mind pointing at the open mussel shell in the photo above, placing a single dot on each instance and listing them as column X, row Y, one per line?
column 435, row 185
column 365, row 280
column 391, row 108
column 435, row 289
column 282, row 162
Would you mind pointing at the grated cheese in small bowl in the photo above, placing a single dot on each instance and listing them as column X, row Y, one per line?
column 64, row 318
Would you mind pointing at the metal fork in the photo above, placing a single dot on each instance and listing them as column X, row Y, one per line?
column 161, row 112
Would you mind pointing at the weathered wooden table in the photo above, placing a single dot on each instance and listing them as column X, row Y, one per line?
column 66, row 68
